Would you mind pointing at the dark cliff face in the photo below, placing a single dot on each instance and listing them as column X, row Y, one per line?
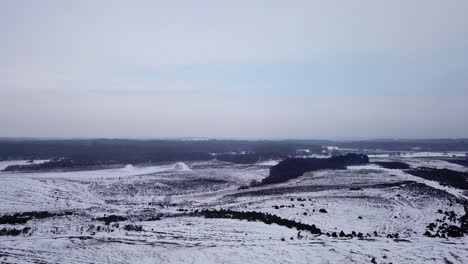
column 295, row 167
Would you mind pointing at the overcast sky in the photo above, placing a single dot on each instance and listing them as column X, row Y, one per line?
column 234, row 69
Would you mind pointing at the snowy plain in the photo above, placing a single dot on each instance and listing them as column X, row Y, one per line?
column 364, row 199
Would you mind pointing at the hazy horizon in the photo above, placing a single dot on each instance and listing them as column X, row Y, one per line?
column 245, row 70
column 337, row 139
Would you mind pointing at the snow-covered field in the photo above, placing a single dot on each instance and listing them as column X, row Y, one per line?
column 364, row 199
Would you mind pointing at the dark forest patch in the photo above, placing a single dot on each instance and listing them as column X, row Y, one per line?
column 443, row 176
column 314, row 188
column 417, row 188
column 295, row 167
column 21, row 218
column 260, row 217
column 14, row 231
column 249, row 158
column 111, row 218
column 447, row 225
column 125, row 151
column 393, row 165
column 462, row 162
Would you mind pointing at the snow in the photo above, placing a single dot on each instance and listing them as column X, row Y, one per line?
column 405, row 176
column 180, row 166
column 269, row 163
column 4, row 164
column 134, row 191
column 129, row 167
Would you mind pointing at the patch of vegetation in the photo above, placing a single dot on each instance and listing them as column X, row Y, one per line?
column 111, row 218
column 462, row 162
column 59, row 164
column 137, row 228
column 14, row 231
column 249, row 158
column 21, row 218
column 261, row 217
column 443, row 176
column 446, row 226
column 295, row 167
column 441, row 145
column 393, row 165
column 123, row 151
column 274, row 219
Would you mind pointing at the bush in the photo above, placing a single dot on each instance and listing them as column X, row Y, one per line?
column 137, row 228
column 111, row 218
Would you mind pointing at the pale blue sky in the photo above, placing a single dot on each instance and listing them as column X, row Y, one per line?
column 327, row 76
column 242, row 69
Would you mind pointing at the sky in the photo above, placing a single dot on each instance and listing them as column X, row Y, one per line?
column 234, row 69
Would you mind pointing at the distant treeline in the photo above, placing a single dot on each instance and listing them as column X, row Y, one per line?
column 250, row 158
column 441, row 145
column 60, row 164
column 139, row 151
